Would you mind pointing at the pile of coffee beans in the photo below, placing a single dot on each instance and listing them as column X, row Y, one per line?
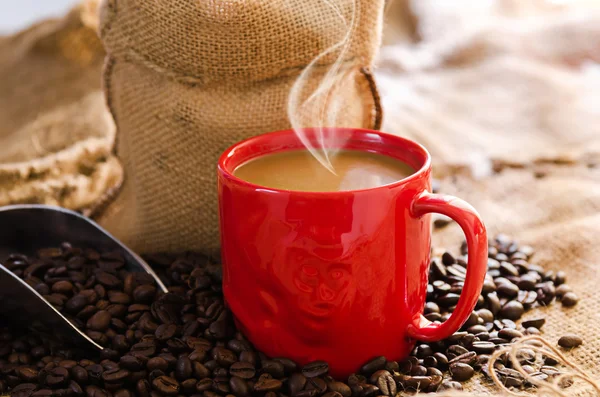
column 185, row 342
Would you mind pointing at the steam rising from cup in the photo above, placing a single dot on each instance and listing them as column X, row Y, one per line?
column 322, row 107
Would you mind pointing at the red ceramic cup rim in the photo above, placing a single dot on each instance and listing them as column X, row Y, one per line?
column 372, row 141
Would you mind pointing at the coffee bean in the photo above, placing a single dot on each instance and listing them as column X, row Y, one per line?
column 569, row 341
column 23, row 390
column 318, row 384
column 509, row 334
column 465, row 358
column 442, row 360
column 315, row 368
column 296, row 383
column 527, row 283
column 115, row 375
column 79, row 375
column 512, row 310
column 123, row 393
column 338, row 387
column 108, row 280
column 265, row 385
column 27, row 374
column 416, row 382
column 437, row 270
column 238, row 386
column 483, row 347
column 132, row 363
column 183, row 368
column 535, row 322
column 507, row 289
column 461, row 372
column 456, row 350
column 374, row 365
column 384, row 381
column 562, row 290
column 99, row 321
column 165, row 385
column 448, row 300
column 289, row 365
column 569, row 299
column 144, row 293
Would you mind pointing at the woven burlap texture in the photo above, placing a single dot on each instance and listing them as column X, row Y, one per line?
column 56, row 135
column 186, row 79
column 555, row 209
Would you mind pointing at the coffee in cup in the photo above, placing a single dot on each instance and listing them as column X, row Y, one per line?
column 299, row 170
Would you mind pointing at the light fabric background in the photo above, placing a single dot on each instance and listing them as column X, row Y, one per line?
column 15, row 15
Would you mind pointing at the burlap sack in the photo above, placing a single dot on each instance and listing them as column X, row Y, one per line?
column 186, row 79
column 56, row 134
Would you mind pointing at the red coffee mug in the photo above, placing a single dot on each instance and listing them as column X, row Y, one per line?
column 338, row 276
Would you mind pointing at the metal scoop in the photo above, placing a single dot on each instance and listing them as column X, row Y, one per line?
column 27, row 228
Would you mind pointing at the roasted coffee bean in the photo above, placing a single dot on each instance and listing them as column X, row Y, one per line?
column 562, row 290
column 27, row 374
column 569, row 299
column 115, row 375
column 183, row 368
column 423, row 351
column 466, row 358
column 144, row 293
column 166, row 386
column 373, row 365
column 289, row 366
column 442, row 360
column 316, row 383
column 338, row 387
column 512, row 310
column 456, row 350
column 266, row 385
column 238, row 386
column 569, row 341
column 108, row 280
column 23, row 390
column 448, row 300
column 132, row 363
column 79, row 375
column 416, row 382
column 384, row 381
column 535, row 322
column 483, row 347
column 100, row 321
column 296, row 383
column 223, row 356
column 509, row 334
column 274, row 368
column 507, row 289
column 461, row 372
column 369, row 390
column 315, row 368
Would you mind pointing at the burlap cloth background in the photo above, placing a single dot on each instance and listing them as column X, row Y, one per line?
column 509, row 107
column 512, row 126
column 56, row 136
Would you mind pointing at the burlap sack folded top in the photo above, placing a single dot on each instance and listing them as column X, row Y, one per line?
column 186, row 79
column 56, row 135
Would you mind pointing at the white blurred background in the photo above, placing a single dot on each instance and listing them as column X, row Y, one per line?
column 15, row 15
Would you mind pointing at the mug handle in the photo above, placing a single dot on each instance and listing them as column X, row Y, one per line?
column 472, row 225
